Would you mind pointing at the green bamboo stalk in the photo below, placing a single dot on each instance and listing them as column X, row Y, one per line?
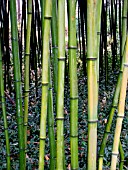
column 116, row 95
column 73, row 85
column 121, row 109
column 92, row 83
column 124, row 25
column 51, row 125
column 120, row 33
column 55, row 42
column 17, row 79
column 2, row 96
column 60, row 86
column 42, row 4
column 44, row 99
column 26, row 80
column 99, row 9
column 121, row 156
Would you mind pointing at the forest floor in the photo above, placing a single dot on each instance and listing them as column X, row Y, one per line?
column 105, row 102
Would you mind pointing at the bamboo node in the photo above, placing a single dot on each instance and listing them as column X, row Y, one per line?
column 26, row 54
column 6, row 128
column 120, row 116
column 114, row 154
column 47, row 17
column 92, row 58
column 42, row 138
column 124, row 17
column 125, row 64
column 29, row 12
column 72, row 47
column 114, row 106
column 59, row 118
column 44, row 83
column 93, row 121
column 73, row 98
column 26, row 91
column 25, row 124
column 122, row 160
column 98, row 33
column 73, row 136
column 61, row 58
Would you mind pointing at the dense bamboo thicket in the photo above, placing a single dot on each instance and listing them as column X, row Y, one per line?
column 63, row 84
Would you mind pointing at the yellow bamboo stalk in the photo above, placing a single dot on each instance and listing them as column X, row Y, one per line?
column 121, row 109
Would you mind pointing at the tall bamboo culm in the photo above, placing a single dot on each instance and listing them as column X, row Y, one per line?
column 99, row 9
column 60, row 86
column 55, row 42
column 45, row 59
column 73, row 84
column 2, row 96
column 51, row 134
column 92, row 83
column 27, row 67
column 121, row 108
column 17, row 81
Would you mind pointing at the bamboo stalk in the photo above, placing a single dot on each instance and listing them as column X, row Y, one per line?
column 51, row 125
column 44, row 99
column 60, row 85
column 17, row 79
column 26, row 81
column 124, row 25
column 2, row 96
column 92, row 83
column 55, row 42
column 121, row 156
column 121, row 108
column 99, row 9
column 73, row 85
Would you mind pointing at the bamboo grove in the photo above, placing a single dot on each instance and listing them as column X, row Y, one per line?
column 49, row 49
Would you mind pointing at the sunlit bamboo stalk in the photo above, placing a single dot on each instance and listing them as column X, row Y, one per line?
column 45, row 58
column 92, row 83
column 121, row 108
column 73, row 84
column 60, row 86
